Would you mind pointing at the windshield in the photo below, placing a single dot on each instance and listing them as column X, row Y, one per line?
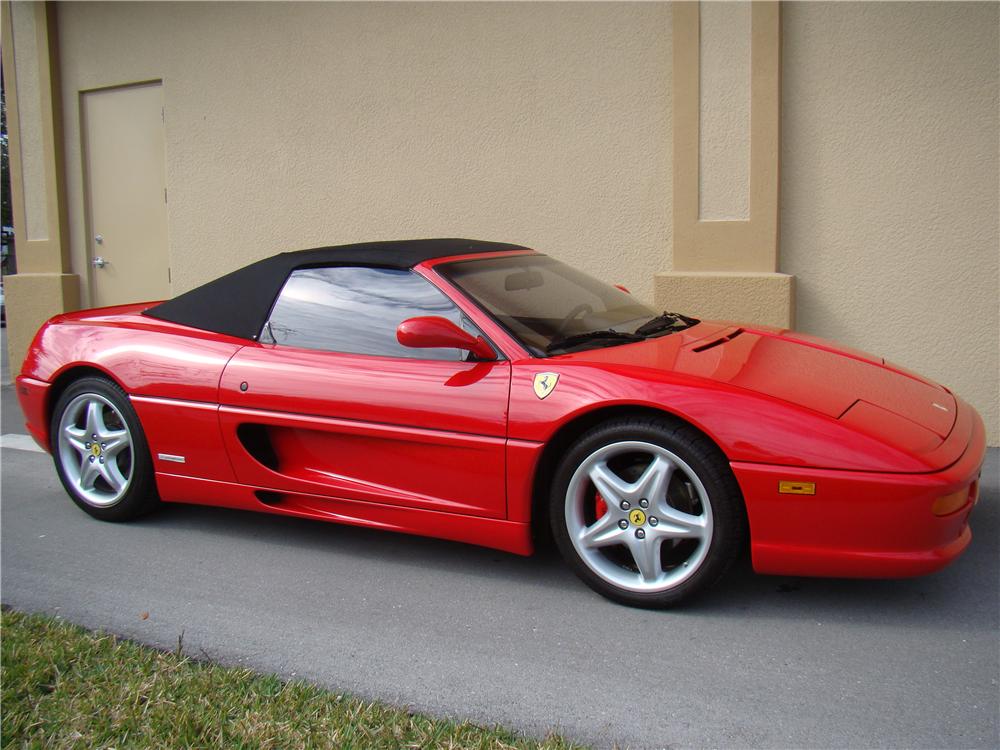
column 553, row 308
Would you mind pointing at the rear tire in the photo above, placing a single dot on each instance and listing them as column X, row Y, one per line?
column 647, row 512
column 100, row 451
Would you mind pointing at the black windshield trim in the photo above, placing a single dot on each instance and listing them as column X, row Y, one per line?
column 609, row 335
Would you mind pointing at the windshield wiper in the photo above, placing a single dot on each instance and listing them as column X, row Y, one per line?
column 589, row 336
column 663, row 322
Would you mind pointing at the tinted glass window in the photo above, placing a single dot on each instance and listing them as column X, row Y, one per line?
column 541, row 300
column 357, row 310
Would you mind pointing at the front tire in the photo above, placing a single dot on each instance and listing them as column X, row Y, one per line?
column 647, row 512
column 100, row 451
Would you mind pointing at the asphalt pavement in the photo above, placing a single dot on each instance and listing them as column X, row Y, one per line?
column 465, row 632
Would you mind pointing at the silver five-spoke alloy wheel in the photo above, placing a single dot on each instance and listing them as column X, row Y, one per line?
column 95, row 450
column 638, row 516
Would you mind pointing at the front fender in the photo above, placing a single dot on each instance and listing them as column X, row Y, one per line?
column 748, row 427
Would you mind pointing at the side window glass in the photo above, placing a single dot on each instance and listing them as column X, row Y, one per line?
column 356, row 310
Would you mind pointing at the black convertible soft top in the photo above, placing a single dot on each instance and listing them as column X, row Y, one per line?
column 238, row 303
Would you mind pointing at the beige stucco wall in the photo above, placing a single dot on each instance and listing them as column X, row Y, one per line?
column 550, row 124
column 29, row 119
column 724, row 116
column 890, row 207
column 290, row 126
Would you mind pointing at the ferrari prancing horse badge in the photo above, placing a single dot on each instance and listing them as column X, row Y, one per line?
column 545, row 383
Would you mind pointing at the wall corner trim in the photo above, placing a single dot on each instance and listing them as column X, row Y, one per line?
column 727, row 245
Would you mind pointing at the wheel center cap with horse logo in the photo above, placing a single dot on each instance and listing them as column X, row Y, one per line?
column 637, row 517
column 545, row 383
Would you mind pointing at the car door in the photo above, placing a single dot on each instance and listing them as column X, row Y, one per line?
column 328, row 403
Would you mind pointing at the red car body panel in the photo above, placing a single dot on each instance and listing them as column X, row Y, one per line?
column 509, row 536
column 185, row 428
column 862, row 523
column 145, row 356
column 453, row 449
column 714, row 394
column 431, row 435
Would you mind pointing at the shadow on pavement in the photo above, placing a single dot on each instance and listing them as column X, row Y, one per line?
column 964, row 593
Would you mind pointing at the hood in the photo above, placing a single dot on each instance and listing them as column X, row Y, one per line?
column 855, row 387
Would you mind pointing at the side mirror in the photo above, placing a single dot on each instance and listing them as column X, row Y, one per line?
column 432, row 332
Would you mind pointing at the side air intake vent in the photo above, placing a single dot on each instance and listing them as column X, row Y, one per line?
column 258, row 444
column 269, row 498
column 722, row 340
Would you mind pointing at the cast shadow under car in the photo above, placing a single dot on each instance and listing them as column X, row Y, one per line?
column 963, row 594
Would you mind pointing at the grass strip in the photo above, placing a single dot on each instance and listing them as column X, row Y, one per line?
column 66, row 687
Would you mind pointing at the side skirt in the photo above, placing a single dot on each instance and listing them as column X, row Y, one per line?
column 509, row 536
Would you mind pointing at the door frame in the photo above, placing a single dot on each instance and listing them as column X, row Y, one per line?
column 89, row 249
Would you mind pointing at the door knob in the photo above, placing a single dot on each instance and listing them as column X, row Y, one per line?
column 99, row 262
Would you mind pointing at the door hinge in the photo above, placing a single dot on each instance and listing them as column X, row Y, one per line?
column 163, row 115
column 169, row 280
column 164, row 195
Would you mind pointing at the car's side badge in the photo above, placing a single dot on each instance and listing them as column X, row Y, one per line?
column 545, row 383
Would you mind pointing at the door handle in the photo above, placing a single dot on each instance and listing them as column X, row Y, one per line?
column 99, row 262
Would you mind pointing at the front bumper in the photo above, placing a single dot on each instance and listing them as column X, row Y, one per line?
column 862, row 524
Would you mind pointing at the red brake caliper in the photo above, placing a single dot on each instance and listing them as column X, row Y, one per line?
column 600, row 507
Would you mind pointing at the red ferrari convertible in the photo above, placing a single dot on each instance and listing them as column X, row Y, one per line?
column 482, row 392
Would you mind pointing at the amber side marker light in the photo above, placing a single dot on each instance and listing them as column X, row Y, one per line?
column 797, row 488
column 955, row 500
